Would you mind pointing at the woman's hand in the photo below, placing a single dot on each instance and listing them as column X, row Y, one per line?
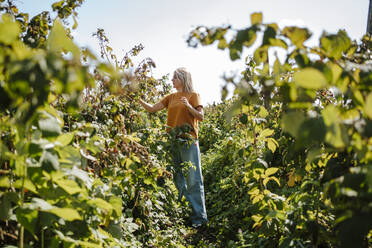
column 197, row 113
column 186, row 102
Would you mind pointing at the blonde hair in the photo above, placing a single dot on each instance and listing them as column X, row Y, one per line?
column 185, row 77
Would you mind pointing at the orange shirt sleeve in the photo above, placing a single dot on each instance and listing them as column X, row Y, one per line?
column 195, row 100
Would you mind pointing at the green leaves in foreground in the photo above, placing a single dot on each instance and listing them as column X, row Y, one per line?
column 9, row 29
column 310, row 78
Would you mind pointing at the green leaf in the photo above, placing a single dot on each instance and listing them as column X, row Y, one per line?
column 249, row 36
column 27, row 184
column 336, row 72
column 368, row 106
column 243, row 118
column 297, row 35
column 58, row 40
column 102, row 204
column 263, row 112
column 266, row 180
column 39, row 204
column 336, row 134
column 49, row 161
column 256, row 218
column 68, row 185
column 310, row 78
column 261, row 54
column 68, row 214
column 27, row 218
column 270, row 171
column 4, row 182
column 335, row 45
column 272, row 144
column 65, row 139
column 5, row 208
column 9, row 30
column 49, row 127
column 278, row 43
column 265, row 133
column 222, row 44
column 116, row 203
column 292, row 121
column 256, row 18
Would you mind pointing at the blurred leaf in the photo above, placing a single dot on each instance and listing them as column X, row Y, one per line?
column 335, row 45
column 58, row 40
column 256, row 18
column 4, row 182
column 27, row 184
column 292, row 121
column 27, row 218
column 102, row 204
column 116, row 203
column 68, row 214
column 272, row 144
column 335, row 135
column 310, row 78
column 68, row 185
column 49, row 161
column 368, row 106
column 9, row 30
column 261, row 55
column 49, row 127
column 243, row 118
column 266, row 132
column 65, row 139
column 297, row 35
column 270, row 171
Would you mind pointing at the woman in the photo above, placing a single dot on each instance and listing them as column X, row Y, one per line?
column 184, row 108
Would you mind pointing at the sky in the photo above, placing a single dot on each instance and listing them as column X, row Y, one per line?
column 162, row 27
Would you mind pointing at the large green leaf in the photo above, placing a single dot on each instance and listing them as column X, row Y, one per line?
column 102, row 204
column 64, row 139
column 4, row 182
column 9, row 30
column 271, row 171
column 336, row 134
column 27, row 218
column 68, row 214
column 58, row 40
column 292, row 121
column 297, row 35
column 6, row 203
column 266, row 132
column 49, row 161
column 49, row 127
column 368, row 106
column 310, row 78
column 335, row 45
column 116, row 203
column 68, row 185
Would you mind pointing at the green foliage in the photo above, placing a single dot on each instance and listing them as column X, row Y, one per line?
column 286, row 161
column 73, row 171
column 292, row 168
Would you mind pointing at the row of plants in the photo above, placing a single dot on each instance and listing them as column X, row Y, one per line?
column 81, row 163
column 291, row 164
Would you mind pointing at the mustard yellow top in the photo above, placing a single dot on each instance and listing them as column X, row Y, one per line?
column 178, row 114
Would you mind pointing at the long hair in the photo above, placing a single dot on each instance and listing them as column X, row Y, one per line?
column 185, row 77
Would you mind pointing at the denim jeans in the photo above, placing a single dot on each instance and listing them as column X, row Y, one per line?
column 189, row 180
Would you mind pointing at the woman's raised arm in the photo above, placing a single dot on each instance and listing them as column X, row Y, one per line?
column 152, row 108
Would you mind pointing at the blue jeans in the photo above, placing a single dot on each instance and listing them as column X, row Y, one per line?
column 187, row 161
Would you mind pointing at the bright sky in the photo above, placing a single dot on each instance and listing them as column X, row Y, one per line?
column 162, row 27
